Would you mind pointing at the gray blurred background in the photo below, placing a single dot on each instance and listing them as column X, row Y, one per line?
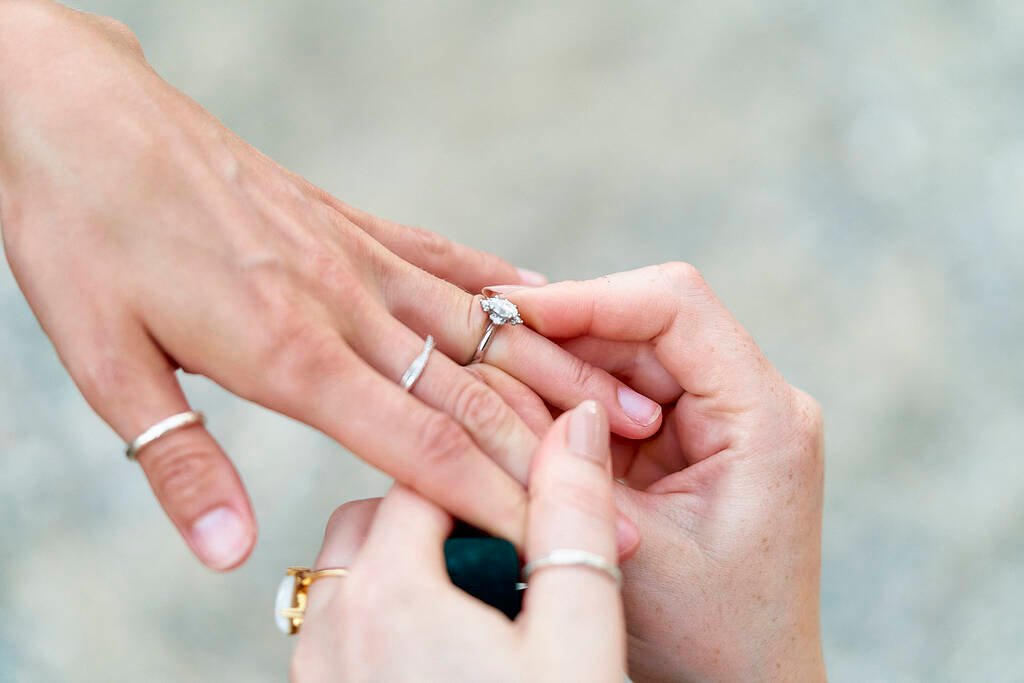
column 848, row 175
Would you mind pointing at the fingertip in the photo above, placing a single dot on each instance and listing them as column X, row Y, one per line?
column 637, row 407
column 223, row 538
column 587, row 432
column 531, row 277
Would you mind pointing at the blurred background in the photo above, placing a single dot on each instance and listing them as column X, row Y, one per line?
column 848, row 175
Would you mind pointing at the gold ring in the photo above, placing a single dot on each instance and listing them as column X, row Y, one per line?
column 291, row 600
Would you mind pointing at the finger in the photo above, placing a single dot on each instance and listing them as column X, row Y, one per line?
column 699, row 342
column 633, row 363
column 322, row 631
column 429, row 305
column 346, row 533
column 571, row 507
column 419, row 446
column 463, row 266
column 527, row 405
column 447, row 387
column 132, row 387
column 288, row 357
column 410, row 527
column 657, row 457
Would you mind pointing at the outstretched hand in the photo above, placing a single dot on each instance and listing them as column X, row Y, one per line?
column 147, row 237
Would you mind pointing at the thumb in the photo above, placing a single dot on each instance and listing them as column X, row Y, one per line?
column 198, row 487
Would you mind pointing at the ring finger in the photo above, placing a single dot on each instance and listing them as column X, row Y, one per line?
column 447, row 387
column 430, row 305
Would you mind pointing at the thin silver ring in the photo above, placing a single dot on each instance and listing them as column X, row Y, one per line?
column 485, row 341
column 162, row 429
column 412, row 375
column 573, row 557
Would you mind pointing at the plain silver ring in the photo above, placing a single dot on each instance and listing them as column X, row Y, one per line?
column 573, row 557
column 485, row 341
column 162, row 429
column 419, row 363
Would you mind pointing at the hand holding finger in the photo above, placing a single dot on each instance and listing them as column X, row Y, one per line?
column 458, row 322
column 703, row 347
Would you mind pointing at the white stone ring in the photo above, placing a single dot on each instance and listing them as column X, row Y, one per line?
column 501, row 312
column 292, row 595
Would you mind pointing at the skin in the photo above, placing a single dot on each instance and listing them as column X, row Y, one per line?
column 403, row 620
column 148, row 238
column 727, row 497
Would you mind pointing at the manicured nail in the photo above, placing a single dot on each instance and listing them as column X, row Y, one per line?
column 638, row 407
column 531, row 278
column 627, row 535
column 221, row 538
column 491, row 290
column 588, row 432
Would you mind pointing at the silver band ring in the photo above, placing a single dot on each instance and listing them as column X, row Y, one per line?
column 501, row 311
column 412, row 375
column 162, row 429
column 572, row 557
column 481, row 348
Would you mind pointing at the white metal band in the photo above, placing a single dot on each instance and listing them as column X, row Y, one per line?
column 481, row 348
column 163, row 428
column 419, row 363
column 572, row 557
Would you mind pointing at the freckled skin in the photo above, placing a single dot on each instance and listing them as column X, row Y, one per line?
column 728, row 498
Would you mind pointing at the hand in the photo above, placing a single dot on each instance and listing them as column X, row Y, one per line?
column 728, row 497
column 396, row 616
column 147, row 238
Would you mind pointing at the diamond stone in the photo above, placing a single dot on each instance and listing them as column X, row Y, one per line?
column 501, row 311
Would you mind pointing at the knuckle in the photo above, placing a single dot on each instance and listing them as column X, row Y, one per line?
column 298, row 349
column 429, row 243
column 330, row 270
column 477, row 407
column 582, row 500
column 812, row 413
column 679, row 274
column 103, row 378
column 343, row 516
column 444, row 443
column 809, row 431
column 182, row 472
column 580, row 372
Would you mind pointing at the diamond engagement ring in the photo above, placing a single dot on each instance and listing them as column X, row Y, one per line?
column 501, row 312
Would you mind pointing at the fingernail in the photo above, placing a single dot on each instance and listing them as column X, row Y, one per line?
column 638, row 407
column 627, row 535
column 588, row 432
column 221, row 538
column 531, row 278
column 501, row 289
